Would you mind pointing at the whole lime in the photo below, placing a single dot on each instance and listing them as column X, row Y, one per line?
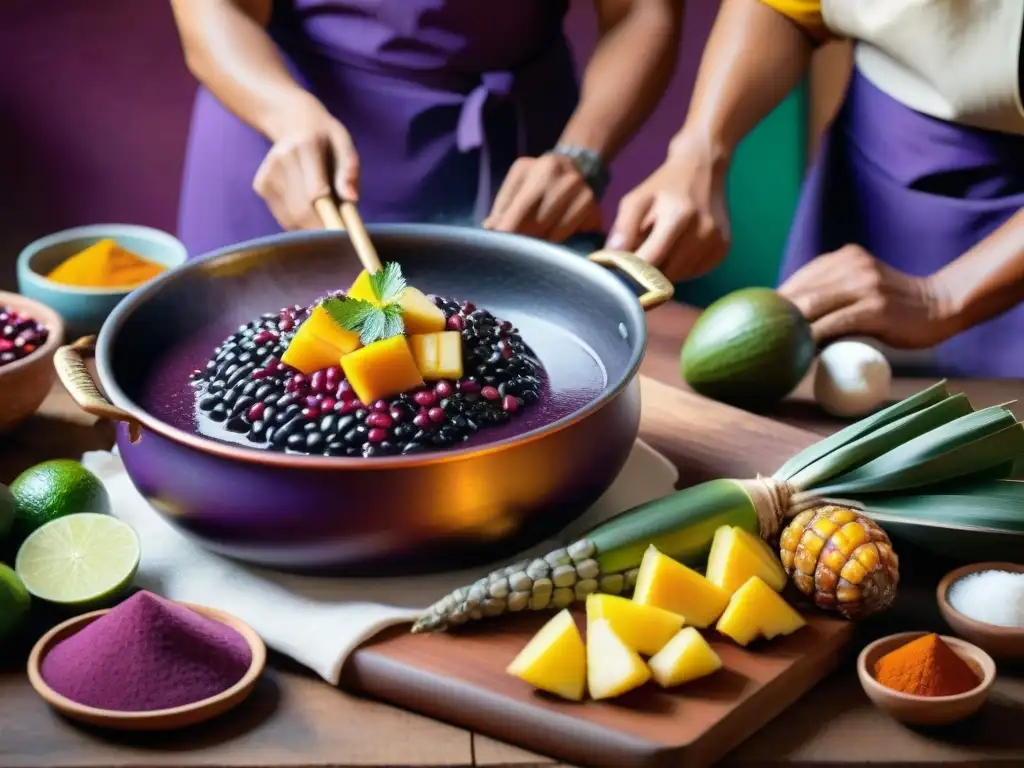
column 14, row 602
column 6, row 511
column 55, row 489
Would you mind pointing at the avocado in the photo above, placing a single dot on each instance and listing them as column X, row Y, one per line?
column 750, row 349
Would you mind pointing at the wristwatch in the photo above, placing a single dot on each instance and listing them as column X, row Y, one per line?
column 591, row 167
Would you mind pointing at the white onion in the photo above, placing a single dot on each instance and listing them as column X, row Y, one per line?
column 852, row 379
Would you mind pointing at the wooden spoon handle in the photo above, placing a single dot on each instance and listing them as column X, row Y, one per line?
column 353, row 222
column 328, row 212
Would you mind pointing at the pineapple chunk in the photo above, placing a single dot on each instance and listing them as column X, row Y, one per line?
column 735, row 557
column 419, row 313
column 438, row 355
column 612, row 666
column 643, row 628
column 555, row 659
column 382, row 369
column 757, row 610
column 319, row 343
column 685, row 657
column 664, row 583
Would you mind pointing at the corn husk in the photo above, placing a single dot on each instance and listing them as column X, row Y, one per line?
column 927, row 465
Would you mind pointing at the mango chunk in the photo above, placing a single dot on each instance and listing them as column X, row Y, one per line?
column 644, row 628
column 665, row 583
column 735, row 556
column 382, row 369
column 555, row 659
column 419, row 313
column 757, row 610
column 612, row 666
column 685, row 657
column 319, row 343
column 438, row 355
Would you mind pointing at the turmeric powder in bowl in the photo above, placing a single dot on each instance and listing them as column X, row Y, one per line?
column 926, row 667
column 105, row 264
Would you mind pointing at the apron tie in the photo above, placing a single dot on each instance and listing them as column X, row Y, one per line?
column 471, row 133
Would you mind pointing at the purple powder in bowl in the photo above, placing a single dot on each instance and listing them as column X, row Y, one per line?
column 147, row 654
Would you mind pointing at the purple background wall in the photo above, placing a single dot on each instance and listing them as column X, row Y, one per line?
column 95, row 102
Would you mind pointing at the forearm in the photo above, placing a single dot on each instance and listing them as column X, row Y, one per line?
column 987, row 280
column 627, row 75
column 754, row 57
column 228, row 49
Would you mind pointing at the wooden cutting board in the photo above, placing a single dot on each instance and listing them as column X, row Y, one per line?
column 460, row 676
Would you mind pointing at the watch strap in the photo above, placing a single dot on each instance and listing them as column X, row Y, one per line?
column 591, row 167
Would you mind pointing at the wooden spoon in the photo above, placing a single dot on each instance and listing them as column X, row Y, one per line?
column 346, row 216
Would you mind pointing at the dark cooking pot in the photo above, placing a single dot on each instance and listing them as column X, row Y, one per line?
column 407, row 512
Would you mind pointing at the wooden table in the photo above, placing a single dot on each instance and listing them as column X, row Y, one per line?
column 294, row 720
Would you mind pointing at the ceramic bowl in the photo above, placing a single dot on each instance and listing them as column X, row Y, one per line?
column 1006, row 643
column 158, row 719
column 25, row 383
column 85, row 309
column 926, row 710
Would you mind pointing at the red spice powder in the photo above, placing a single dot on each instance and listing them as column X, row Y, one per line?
column 147, row 654
column 925, row 667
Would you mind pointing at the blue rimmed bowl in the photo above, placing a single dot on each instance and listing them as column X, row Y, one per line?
column 85, row 309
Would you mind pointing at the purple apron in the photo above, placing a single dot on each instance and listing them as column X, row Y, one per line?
column 440, row 97
column 916, row 192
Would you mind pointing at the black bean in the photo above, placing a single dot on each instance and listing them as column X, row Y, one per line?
column 354, row 450
column 356, row 435
column 216, row 385
column 269, row 413
column 208, row 402
column 237, row 424
column 263, row 390
column 288, row 429
column 219, row 412
column 328, row 423
column 250, row 388
column 309, row 426
column 256, row 431
column 240, row 374
column 313, row 441
column 246, row 357
column 242, row 404
column 345, row 423
column 361, row 414
column 287, row 400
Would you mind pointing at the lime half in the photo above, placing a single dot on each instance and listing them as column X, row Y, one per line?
column 79, row 559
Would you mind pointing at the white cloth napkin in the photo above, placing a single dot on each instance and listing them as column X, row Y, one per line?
column 319, row 621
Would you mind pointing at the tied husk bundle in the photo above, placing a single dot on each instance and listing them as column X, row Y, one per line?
column 930, row 461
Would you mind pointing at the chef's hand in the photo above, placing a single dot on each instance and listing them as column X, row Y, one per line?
column 851, row 293
column 544, row 197
column 311, row 157
column 676, row 218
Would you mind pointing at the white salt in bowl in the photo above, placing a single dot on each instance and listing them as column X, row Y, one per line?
column 1004, row 643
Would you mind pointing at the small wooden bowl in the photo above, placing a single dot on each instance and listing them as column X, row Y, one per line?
column 926, row 710
column 25, row 383
column 1005, row 643
column 157, row 719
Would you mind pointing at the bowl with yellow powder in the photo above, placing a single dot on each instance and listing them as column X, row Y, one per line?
column 921, row 678
column 83, row 273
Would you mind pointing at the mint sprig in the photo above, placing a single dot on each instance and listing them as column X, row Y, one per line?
column 388, row 283
column 372, row 322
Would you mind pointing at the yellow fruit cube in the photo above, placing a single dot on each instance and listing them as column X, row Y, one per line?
column 643, row 628
column 555, row 659
column 685, row 657
column 382, row 369
column 419, row 313
column 735, row 557
column 319, row 343
column 664, row 583
column 438, row 355
column 757, row 610
column 612, row 666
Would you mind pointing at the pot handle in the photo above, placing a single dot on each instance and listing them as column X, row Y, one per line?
column 658, row 289
column 74, row 374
